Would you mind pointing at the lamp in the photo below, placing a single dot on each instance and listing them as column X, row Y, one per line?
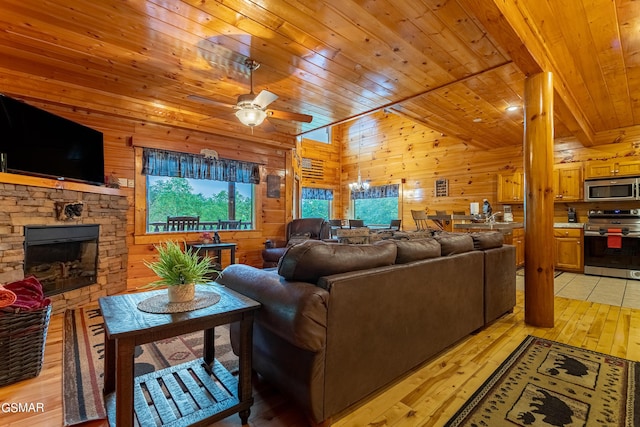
column 251, row 116
column 359, row 185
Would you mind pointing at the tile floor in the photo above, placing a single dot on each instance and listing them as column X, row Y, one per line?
column 605, row 290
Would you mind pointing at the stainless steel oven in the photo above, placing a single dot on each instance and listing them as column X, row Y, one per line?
column 598, row 190
column 612, row 243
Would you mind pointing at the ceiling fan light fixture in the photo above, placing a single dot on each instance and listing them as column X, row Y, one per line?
column 251, row 116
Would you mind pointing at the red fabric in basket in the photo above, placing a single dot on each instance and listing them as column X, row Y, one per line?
column 29, row 295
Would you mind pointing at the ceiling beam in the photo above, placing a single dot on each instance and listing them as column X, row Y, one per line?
column 509, row 23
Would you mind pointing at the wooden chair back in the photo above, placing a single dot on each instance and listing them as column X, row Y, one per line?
column 230, row 224
column 395, row 224
column 356, row 223
column 420, row 218
column 182, row 223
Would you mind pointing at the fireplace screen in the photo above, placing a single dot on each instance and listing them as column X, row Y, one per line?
column 61, row 257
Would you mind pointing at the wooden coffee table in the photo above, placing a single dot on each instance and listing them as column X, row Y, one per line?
column 194, row 393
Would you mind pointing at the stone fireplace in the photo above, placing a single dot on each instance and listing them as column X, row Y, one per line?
column 91, row 263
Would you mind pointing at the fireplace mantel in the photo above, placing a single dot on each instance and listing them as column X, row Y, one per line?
column 34, row 181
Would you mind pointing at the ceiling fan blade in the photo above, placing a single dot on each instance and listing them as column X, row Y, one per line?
column 199, row 98
column 286, row 115
column 264, row 98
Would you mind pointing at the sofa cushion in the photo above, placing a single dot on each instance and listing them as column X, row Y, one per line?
column 309, row 261
column 487, row 240
column 417, row 249
column 454, row 243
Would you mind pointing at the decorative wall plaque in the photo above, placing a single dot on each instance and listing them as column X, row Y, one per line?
column 442, row 187
column 273, row 186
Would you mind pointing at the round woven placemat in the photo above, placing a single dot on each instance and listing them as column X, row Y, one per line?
column 160, row 303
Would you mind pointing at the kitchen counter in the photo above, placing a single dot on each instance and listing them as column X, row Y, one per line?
column 502, row 226
column 511, row 225
column 568, row 225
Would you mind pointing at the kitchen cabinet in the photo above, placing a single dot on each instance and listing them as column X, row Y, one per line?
column 569, row 254
column 515, row 237
column 612, row 167
column 511, row 187
column 518, row 242
column 567, row 182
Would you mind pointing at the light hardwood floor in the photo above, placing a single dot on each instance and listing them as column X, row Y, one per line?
column 427, row 396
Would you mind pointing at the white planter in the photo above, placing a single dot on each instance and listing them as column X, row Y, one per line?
column 181, row 293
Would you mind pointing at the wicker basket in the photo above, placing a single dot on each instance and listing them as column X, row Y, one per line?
column 22, row 339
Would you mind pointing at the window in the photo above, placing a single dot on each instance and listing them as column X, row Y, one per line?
column 218, row 192
column 316, row 202
column 377, row 205
column 219, row 205
column 319, row 135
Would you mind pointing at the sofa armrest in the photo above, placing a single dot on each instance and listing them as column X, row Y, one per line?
column 295, row 311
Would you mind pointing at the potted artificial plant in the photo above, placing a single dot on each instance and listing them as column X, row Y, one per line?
column 180, row 270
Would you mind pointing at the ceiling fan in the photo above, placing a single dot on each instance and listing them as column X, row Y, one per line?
column 251, row 109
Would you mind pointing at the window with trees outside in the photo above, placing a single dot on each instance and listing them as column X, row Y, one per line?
column 214, row 202
column 213, row 194
column 316, row 202
column 377, row 205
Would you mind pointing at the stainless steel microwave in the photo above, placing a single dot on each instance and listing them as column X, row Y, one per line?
column 605, row 189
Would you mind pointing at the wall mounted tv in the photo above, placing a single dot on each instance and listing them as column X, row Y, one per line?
column 39, row 143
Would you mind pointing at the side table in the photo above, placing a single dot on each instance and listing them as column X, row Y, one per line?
column 180, row 395
column 216, row 248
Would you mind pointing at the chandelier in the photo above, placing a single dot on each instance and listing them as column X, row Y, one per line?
column 359, row 185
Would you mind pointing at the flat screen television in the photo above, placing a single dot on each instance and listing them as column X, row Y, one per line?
column 36, row 142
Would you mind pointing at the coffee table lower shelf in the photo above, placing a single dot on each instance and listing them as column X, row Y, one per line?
column 190, row 394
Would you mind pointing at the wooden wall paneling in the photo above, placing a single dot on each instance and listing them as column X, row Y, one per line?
column 330, row 155
column 403, row 149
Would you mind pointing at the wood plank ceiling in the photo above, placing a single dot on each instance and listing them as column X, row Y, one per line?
column 453, row 65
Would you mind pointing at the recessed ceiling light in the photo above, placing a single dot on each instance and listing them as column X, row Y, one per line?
column 477, row 120
column 512, row 108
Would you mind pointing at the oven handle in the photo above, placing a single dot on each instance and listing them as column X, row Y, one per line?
column 598, row 234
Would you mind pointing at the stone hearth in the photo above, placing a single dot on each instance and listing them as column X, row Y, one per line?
column 22, row 205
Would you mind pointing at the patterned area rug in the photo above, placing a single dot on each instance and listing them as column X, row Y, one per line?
column 545, row 383
column 83, row 360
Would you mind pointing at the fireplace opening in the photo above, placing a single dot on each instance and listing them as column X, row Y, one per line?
column 61, row 257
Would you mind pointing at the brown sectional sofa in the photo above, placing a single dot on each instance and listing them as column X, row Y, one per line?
column 338, row 322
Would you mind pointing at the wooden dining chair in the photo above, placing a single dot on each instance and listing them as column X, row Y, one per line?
column 420, row 218
column 230, row 224
column 335, row 224
column 182, row 223
column 395, row 224
column 356, row 223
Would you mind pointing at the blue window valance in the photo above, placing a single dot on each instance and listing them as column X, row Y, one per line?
column 184, row 165
column 317, row 193
column 377, row 192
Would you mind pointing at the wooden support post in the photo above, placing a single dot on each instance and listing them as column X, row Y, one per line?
column 538, row 170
